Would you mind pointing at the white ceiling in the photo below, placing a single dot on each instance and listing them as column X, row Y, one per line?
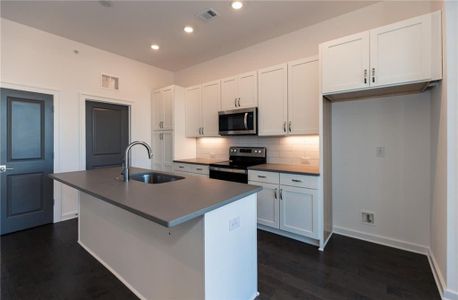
column 129, row 28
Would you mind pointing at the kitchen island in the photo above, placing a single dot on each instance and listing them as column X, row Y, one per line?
column 192, row 238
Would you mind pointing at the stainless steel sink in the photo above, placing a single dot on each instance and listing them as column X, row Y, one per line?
column 154, row 178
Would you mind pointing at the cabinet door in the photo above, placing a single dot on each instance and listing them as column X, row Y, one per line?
column 303, row 96
column 268, row 204
column 345, row 63
column 211, row 105
column 401, row 52
column 158, row 151
column 156, row 110
column 273, row 100
column 167, row 142
column 167, row 106
column 229, row 93
column 247, row 86
column 193, row 100
column 299, row 211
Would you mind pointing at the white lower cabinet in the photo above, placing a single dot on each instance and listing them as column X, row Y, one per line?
column 299, row 210
column 268, row 205
column 290, row 208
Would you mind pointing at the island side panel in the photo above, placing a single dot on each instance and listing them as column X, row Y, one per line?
column 153, row 261
column 231, row 262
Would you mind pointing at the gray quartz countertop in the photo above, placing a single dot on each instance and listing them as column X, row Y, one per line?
column 168, row 204
column 198, row 161
column 287, row 168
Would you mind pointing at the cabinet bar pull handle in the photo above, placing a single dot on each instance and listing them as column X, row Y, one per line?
column 238, row 102
column 296, row 180
column 275, row 194
column 373, row 75
column 235, row 102
column 284, row 126
column 203, row 131
column 365, row 76
column 261, row 176
column 289, row 126
column 199, row 169
column 281, row 194
column 181, row 167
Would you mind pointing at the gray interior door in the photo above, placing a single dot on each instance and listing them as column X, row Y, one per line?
column 26, row 134
column 107, row 134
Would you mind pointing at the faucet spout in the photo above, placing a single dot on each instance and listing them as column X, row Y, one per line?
column 125, row 171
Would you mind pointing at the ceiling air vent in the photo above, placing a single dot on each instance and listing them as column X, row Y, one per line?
column 208, row 15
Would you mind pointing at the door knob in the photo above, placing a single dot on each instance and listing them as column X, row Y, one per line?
column 3, row 168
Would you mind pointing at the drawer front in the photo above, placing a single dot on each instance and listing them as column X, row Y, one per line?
column 199, row 169
column 265, row 177
column 304, row 181
column 182, row 167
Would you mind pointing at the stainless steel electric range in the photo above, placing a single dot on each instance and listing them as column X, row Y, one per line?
column 236, row 168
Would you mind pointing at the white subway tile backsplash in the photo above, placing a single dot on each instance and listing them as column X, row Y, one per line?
column 287, row 150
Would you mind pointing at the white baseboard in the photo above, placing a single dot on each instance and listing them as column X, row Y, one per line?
column 131, row 288
column 326, row 241
column 438, row 276
column 450, row 295
column 382, row 240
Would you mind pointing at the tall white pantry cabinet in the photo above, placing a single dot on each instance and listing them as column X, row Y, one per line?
column 168, row 139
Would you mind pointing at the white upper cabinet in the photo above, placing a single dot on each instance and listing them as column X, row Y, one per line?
column 156, row 110
column 162, row 109
column 248, row 90
column 193, row 96
column 229, row 93
column 303, row 96
column 240, row 91
column 273, row 100
column 211, row 105
column 345, row 63
column 401, row 52
column 167, row 104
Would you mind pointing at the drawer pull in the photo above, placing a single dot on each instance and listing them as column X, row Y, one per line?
column 275, row 194
column 261, row 176
column 296, row 180
column 181, row 167
column 199, row 169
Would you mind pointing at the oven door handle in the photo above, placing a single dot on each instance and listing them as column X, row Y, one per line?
column 245, row 120
column 228, row 170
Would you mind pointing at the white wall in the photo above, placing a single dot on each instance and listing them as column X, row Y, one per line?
column 301, row 43
column 396, row 187
column 36, row 59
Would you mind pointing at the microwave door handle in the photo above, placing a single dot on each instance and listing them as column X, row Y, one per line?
column 245, row 120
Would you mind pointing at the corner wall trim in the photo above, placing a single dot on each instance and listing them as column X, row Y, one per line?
column 382, row 240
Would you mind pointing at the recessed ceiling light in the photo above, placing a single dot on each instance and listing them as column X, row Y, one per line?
column 237, row 4
column 155, row 47
column 188, row 29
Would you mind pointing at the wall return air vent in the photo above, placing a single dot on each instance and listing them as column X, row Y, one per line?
column 110, row 82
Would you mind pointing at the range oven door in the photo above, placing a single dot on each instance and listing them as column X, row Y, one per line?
column 236, row 175
column 238, row 122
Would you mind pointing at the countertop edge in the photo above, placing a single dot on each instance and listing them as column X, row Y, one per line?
column 193, row 162
column 168, row 224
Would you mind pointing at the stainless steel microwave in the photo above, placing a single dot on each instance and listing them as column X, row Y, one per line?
column 238, row 121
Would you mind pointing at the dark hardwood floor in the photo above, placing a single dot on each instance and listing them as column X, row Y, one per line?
column 47, row 263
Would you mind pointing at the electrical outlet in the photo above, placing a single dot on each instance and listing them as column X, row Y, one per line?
column 380, row 151
column 368, row 217
column 234, row 223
